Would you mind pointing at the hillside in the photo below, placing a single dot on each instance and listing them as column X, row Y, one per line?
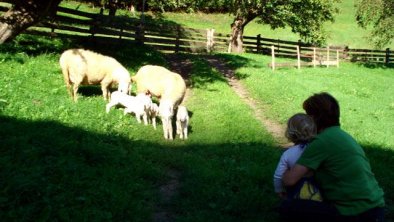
column 344, row 31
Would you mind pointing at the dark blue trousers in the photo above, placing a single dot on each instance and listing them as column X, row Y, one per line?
column 313, row 211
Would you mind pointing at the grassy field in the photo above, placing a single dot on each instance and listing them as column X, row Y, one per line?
column 66, row 161
column 73, row 162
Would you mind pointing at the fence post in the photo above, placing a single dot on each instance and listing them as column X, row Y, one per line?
column 177, row 39
column 210, row 41
column 328, row 56
column 387, row 55
column 273, row 57
column 314, row 57
column 337, row 58
column 298, row 57
column 121, row 33
column 258, row 43
column 139, row 33
column 299, row 44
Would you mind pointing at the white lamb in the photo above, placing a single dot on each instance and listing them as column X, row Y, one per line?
column 153, row 113
column 84, row 67
column 166, row 85
column 182, row 122
column 166, row 112
column 139, row 105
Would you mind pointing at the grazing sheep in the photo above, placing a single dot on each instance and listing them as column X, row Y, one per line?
column 84, row 67
column 182, row 122
column 164, row 84
column 139, row 105
column 153, row 113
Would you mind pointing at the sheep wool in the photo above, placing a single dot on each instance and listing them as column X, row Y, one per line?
column 166, row 85
column 85, row 67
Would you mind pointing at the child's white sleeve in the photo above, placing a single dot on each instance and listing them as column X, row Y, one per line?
column 280, row 170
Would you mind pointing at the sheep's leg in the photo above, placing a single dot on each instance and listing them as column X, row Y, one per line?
column 104, row 88
column 166, row 128
column 74, row 92
column 170, row 129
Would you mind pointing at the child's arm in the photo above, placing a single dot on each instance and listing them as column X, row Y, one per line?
column 280, row 170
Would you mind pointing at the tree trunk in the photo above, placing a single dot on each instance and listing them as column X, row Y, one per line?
column 113, row 7
column 237, row 36
column 23, row 14
column 237, row 31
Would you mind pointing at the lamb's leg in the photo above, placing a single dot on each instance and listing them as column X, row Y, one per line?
column 138, row 117
column 153, row 119
column 185, row 130
column 109, row 105
column 178, row 127
column 145, row 118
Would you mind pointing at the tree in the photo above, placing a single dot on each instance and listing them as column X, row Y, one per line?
column 379, row 14
column 305, row 17
column 23, row 14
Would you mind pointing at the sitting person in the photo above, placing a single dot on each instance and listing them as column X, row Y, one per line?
column 349, row 188
column 300, row 130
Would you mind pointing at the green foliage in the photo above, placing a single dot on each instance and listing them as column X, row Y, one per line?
column 378, row 14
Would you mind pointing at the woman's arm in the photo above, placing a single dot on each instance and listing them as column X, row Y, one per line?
column 292, row 176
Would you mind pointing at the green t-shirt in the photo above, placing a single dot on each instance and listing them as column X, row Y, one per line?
column 343, row 172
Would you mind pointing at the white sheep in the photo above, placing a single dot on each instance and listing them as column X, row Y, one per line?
column 182, row 122
column 164, row 84
column 139, row 105
column 84, row 67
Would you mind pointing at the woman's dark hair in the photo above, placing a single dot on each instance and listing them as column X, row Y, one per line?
column 324, row 109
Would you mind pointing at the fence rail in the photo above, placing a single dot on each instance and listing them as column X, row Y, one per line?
column 98, row 27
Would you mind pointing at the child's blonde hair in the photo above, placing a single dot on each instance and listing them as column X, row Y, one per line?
column 300, row 128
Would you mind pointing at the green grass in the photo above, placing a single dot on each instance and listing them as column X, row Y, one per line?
column 66, row 161
column 363, row 91
column 71, row 161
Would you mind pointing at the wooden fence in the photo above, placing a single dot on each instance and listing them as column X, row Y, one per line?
column 288, row 49
column 174, row 38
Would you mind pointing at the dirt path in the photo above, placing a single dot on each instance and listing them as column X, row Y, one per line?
column 277, row 130
column 163, row 212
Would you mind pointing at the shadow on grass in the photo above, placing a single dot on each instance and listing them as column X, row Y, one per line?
column 374, row 65
column 380, row 159
column 129, row 54
column 54, row 172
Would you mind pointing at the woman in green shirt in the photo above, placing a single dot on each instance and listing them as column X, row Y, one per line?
column 343, row 172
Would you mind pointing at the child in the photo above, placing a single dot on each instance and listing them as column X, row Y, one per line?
column 300, row 130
